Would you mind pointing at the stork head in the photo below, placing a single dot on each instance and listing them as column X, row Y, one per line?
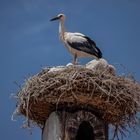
column 59, row 17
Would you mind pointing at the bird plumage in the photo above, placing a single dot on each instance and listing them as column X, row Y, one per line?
column 78, row 44
column 83, row 43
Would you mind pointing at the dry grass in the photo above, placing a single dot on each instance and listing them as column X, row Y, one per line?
column 116, row 99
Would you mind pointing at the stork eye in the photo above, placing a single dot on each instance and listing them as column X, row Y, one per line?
column 60, row 16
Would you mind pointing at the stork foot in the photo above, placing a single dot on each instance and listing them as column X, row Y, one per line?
column 75, row 63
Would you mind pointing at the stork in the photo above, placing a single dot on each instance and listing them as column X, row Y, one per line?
column 78, row 44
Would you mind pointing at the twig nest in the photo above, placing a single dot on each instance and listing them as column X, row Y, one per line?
column 94, row 87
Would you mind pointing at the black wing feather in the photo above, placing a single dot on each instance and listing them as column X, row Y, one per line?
column 88, row 46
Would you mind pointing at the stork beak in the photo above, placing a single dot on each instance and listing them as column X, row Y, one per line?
column 55, row 18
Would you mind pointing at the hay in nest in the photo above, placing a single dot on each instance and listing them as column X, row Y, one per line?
column 95, row 87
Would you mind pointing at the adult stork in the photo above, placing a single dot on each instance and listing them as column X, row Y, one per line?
column 78, row 44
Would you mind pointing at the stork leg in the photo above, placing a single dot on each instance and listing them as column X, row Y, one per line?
column 75, row 59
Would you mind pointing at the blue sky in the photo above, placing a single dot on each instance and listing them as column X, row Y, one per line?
column 29, row 41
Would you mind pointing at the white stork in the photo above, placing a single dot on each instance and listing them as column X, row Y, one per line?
column 78, row 44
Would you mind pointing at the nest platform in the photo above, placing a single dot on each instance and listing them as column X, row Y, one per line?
column 94, row 87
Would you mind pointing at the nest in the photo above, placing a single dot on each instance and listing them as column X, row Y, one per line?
column 94, row 87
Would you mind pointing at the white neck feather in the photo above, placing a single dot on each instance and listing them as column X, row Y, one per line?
column 61, row 29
